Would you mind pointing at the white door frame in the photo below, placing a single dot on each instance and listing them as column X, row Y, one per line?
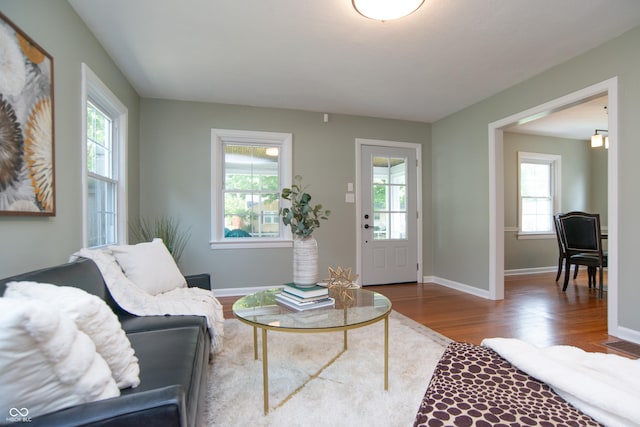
column 358, row 219
column 496, row 189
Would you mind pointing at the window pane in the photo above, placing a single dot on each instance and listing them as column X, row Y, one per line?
column 537, row 192
column 381, row 226
column 536, row 180
column 544, row 223
column 238, row 181
column 398, row 197
column 389, row 197
column 380, row 198
column 99, row 142
column 101, row 212
column 528, row 223
column 398, row 169
column 398, row 225
column 98, row 159
column 251, row 191
column 536, row 214
column 529, row 206
column 380, row 170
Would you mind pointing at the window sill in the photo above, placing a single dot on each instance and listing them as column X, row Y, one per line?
column 533, row 236
column 247, row 243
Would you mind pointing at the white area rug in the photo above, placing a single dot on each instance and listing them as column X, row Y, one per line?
column 350, row 392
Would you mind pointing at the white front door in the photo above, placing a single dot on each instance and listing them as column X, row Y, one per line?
column 388, row 214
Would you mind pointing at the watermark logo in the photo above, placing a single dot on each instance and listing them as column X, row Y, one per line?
column 18, row 415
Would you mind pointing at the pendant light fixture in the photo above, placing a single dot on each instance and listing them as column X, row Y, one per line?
column 386, row 10
column 598, row 140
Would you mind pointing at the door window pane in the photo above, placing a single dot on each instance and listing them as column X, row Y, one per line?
column 389, row 192
column 398, row 225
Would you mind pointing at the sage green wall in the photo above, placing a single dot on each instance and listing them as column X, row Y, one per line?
column 461, row 175
column 575, row 192
column 598, row 196
column 175, row 171
column 29, row 242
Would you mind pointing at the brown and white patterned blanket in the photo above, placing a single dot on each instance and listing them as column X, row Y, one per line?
column 474, row 386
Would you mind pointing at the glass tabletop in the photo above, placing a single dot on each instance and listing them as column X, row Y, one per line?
column 361, row 307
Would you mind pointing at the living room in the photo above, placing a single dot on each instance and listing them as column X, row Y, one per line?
column 166, row 137
column 169, row 167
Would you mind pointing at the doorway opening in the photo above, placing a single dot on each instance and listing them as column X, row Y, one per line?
column 496, row 187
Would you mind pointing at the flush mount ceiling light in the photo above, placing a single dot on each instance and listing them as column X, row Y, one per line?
column 386, row 10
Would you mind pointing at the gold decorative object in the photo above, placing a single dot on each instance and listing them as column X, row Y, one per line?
column 340, row 282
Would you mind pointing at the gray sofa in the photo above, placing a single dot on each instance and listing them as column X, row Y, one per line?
column 173, row 353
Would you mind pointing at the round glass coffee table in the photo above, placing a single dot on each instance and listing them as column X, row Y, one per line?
column 354, row 308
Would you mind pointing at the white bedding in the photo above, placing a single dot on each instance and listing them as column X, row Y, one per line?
column 603, row 386
column 179, row 301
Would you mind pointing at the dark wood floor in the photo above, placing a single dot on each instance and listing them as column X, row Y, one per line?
column 534, row 309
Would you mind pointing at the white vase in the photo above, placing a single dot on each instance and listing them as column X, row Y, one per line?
column 305, row 261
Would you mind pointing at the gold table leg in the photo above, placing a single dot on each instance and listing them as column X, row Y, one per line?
column 386, row 353
column 265, row 371
column 255, row 343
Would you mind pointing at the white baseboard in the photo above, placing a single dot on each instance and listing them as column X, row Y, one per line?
column 535, row 270
column 482, row 293
column 625, row 334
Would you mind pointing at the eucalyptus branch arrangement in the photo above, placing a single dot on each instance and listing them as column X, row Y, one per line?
column 302, row 217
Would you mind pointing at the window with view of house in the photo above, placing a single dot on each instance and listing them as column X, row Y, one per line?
column 103, row 153
column 249, row 170
column 539, row 192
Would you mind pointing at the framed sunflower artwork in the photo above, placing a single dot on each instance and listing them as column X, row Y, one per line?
column 27, row 184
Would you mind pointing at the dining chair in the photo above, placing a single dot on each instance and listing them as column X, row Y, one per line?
column 562, row 253
column 582, row 240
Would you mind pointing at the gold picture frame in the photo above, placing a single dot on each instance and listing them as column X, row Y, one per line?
column 27, row 178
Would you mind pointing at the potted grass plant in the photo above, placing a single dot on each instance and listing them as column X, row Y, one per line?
column 167, row 228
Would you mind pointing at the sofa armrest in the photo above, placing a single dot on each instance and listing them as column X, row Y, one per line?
column 159, row 408
column 199, row 281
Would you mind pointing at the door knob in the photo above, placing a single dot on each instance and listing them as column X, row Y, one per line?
column 366, row 226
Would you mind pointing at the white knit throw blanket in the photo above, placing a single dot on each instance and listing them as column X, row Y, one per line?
column 179, row 301
column 604, row 386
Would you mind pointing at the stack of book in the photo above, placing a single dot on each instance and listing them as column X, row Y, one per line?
column 301, row 299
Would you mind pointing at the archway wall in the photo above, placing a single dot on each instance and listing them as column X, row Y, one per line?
column 462, row 239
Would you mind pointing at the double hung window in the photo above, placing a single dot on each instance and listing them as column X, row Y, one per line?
column 249, row 170
column 539, row 192
column 103, row 154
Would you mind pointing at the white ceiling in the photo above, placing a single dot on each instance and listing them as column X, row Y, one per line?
column 575, row 122
column 321, row 55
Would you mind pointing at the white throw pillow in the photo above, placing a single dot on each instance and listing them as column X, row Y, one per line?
column 149, row 266
column 46, row 363
column 93, row 317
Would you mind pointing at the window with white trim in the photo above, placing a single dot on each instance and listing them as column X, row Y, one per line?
column 104, row 163
column 249, row 170
column 539, row 192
